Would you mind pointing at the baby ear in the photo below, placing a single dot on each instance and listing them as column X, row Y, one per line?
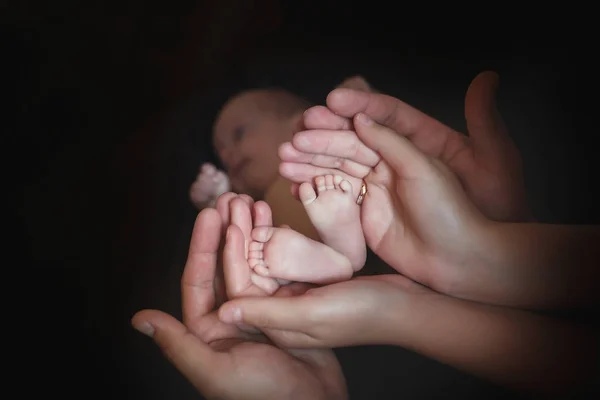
column 356, row 82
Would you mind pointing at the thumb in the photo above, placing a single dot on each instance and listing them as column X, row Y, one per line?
column 280, row 313
column 190, row 355
column 356, row 82
column 287, row 321
column 396, row 150
column 486, row 127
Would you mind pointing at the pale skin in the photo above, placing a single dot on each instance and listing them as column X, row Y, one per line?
column 210, row 183
column 486, row 196
column 515, row 348
column 223, row 361
column 246, row 135
column 486, row 162
column 286, row 254
column 458, row 332
column 278, row 255
column 449, row 244
column 231, row 128
column 476, row 161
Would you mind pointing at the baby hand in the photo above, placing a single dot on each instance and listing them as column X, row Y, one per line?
column 208, row 186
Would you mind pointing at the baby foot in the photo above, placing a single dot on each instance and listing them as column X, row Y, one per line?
column 283, row 253
column 333, row 211
column 267, row 285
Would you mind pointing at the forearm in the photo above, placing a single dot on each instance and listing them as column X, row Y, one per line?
column 516, row 349
column 540, row 265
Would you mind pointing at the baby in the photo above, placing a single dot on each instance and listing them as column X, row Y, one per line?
column 247, row 135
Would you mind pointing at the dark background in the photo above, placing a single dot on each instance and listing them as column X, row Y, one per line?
column 107, row 111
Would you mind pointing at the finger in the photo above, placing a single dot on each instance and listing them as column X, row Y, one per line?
column 288, row 153
column 489, row 134
column 280, row 313
column 197, row 282
column 249, row 200
column 356, row 82
column 295, row 190
column 262, row 214
column 190, row 355
column 299, row 173
column 235, row 265
column 341, row 144
column 222, row 207
column 241, row 216
column 320, row 117
column 395, row 150
column 220, row 289
column 427, row 133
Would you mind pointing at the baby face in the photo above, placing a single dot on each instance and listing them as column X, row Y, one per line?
column 246, row 137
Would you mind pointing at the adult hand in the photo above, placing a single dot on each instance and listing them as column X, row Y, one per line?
column 530, row 353
column 487, row 162
column 415, row 216
column 362, row 311
column 221, row 360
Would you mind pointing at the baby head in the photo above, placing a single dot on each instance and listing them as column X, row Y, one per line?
column 248, row 132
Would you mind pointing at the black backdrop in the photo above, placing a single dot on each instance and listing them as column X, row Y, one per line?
column 109, row 106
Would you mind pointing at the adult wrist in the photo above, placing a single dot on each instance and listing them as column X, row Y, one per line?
column 493, row 272
column 473, row 269
column 403, row 317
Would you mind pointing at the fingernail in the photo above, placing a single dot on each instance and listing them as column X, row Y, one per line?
column 231, row 315
column 228, row 233
column 146, row 328
column 364, row 119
